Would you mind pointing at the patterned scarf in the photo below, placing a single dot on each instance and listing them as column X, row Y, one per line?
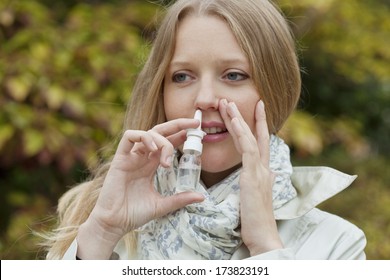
column 210, row 229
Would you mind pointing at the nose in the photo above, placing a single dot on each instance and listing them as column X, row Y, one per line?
column 207, row 96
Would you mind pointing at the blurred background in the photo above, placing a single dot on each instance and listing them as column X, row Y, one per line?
column 66, row 72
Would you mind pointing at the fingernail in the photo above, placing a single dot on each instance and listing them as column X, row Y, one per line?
column 168, row 160
column 261, row 103
column 233, row 105
column 154, row 146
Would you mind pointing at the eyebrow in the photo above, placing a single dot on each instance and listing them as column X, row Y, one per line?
column 184, row 63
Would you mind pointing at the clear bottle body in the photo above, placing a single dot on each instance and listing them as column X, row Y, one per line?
column 189, row 171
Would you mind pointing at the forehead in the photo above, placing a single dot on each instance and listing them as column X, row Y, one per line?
column 206, row 35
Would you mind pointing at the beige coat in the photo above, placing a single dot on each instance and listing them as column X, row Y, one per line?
column 306, row 232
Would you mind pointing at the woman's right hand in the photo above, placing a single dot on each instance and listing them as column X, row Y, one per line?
column 128, row 198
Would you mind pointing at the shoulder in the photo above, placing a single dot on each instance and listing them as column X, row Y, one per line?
column 321, row 235
column 328, row 222
column 316, row 235
column 314, row 185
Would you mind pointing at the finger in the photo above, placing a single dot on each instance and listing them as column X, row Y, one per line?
column 174, row 126
column 233, row 112
column 165, row 146
column 130, row 137
column 172, row 203
column 262, row 132
column 177, row 139
column 242, row 132
column 246, row 143
column 225, row 116
column 223, row 107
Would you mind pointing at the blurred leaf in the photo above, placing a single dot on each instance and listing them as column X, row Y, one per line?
column 348, row 132
column 55, row 97
column 304, row 133
column 19, row 199
column 40, row 51
column 34, row 141
column 345, row 54
column 19, row 115
column 18, row 87
column 6, row 133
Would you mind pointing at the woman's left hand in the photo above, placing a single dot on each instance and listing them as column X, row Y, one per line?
column 258, row 226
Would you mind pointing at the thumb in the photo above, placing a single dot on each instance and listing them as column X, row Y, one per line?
column 177, row 201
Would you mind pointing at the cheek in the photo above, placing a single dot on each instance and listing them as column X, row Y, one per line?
column 177, row 104
column 247, row 111
column 175, row 109
column 171, row 107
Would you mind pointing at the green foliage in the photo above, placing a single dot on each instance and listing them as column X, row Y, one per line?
column 64, row 87
column 346, row 57
column 344, row 120
column 66, row 72
column 57, row 80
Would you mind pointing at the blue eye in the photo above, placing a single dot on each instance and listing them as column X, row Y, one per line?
column 235, row 76
column 180, row 78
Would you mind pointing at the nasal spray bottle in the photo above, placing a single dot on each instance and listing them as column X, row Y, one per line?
column 190, row 163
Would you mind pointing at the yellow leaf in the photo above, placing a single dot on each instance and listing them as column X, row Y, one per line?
column 18, row 88
column 6, row 132
column 34, row 141
column 303, row 132
column 54, row 97
column 40, row 51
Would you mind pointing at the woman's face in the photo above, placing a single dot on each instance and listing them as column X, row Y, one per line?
column 208, row 65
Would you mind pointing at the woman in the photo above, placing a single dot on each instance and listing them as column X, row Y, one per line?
column 235, row 61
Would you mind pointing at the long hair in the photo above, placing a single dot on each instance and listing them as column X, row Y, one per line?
column 263, row 35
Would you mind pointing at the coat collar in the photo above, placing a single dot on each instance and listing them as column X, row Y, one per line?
column 314, row 185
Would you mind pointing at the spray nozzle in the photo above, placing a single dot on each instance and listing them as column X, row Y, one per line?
column 198, row 116
column 195, row 136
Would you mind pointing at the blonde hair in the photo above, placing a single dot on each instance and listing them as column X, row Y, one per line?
column 264, row 36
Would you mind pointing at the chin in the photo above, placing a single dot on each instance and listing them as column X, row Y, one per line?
column 219, row 158
column 214, row 168
column 218, row 164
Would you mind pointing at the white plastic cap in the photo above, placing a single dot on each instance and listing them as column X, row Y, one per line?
column 195, row 136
